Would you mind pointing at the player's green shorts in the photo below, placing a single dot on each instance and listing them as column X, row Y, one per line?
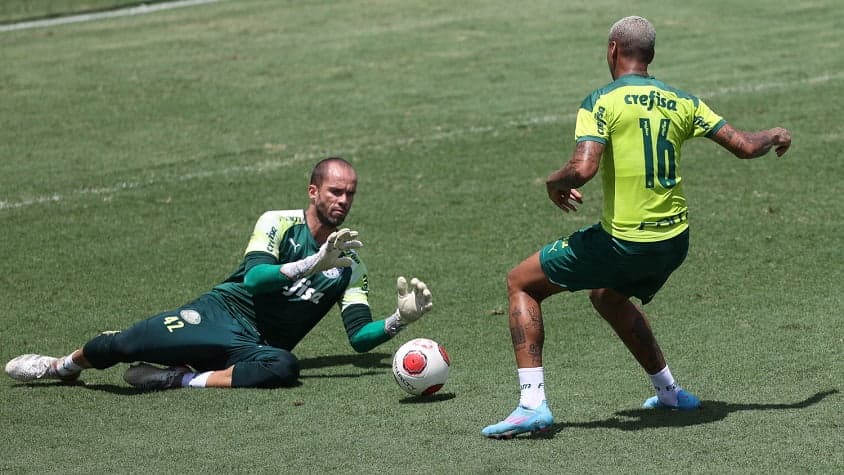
column 592, row 259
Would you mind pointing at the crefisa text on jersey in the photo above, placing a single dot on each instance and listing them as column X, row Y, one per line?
column 271, row 236
column 303, row 290
column 650, row 100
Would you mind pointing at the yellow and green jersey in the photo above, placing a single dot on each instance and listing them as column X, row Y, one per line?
column 643, row 123
column 283, row 316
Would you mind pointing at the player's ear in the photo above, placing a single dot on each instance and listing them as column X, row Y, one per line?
column 612, row 57
column 313, row 190
column 612, row 51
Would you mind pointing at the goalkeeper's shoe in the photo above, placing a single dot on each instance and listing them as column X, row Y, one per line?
column 148, row 377
column 686, row 401
column 32, row 367
column 520, row 421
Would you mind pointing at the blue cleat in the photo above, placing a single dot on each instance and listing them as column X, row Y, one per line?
column 686, row 401
column 520, row 421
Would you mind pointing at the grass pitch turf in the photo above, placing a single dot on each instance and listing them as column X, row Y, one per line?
column 137, row 152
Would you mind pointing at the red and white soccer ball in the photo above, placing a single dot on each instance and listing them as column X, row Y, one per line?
column 421, row 366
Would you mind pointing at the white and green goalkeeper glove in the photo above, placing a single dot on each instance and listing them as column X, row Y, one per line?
column 413, row 302
column 329, row 256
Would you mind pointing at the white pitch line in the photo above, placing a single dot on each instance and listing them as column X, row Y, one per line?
column 822, row 79
column 351, row 149
column 138, row 10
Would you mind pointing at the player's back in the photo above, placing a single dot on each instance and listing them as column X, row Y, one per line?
column 643, row 123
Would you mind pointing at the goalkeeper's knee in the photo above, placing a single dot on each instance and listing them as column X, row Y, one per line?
column 280, row 370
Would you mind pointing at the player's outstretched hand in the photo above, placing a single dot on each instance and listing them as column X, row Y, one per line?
column 413, row 302
column 329, row 256
column 564, row 198
column 781, row 140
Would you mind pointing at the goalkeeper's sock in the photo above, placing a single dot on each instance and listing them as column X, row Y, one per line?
column 195, row 380
column 532, row 383
column 666, row 387
column 66, row 366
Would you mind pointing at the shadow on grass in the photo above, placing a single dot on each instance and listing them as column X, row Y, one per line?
column 373, row 361
column 439, row 397
column 710, row 411
column 109, row 388
column 358, row 360
column 365, row 360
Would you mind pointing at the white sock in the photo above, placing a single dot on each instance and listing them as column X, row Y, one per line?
column 66, row 366
column 666, row 387
column 532, row 383
column 195, row 380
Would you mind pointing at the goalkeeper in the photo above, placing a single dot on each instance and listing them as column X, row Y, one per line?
column 297, row 266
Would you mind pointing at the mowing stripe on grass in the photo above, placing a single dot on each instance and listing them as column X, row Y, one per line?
column 131, row 11
column 351, row 149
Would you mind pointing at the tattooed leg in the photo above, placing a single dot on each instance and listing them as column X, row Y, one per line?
column 631, row 325
column 526, row 330
column 527, row 287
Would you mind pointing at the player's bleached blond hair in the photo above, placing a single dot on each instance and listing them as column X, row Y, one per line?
column 635, row 36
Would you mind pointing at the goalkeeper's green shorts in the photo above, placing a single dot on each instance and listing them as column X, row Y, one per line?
column 592, row 259
column 201, row 334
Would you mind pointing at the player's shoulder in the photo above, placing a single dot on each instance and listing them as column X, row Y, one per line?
column 608, row 89
column 358, row 265
column 680, row 93
column 280, row 222
column 353, row 254
column 618, row 89
column 358, row 275
column 596, row 95
column 292, row 216
column 272, row 229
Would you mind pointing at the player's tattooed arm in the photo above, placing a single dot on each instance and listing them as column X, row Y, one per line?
column 562, row 184
column 745, row 144
column 582, row 166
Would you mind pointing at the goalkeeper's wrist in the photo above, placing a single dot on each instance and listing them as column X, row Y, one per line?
column 393, row 324
column 298, row 269
column 291, row 270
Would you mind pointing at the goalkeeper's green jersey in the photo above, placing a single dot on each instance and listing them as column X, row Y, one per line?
column 643, row 123
column 284, row 316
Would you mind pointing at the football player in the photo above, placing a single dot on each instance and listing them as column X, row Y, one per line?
column 298, row 264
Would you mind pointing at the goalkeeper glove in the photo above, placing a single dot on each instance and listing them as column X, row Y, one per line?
column 329, row 256
column 412, row 304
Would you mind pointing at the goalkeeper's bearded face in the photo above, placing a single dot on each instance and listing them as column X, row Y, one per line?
column 333, row 197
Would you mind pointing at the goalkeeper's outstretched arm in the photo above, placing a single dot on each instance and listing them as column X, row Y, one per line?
column 264, row 278
column 411, row 303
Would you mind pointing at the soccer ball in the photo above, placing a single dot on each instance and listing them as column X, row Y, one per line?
column 421, row 366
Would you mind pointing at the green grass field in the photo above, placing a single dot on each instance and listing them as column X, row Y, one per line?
column 137, row 152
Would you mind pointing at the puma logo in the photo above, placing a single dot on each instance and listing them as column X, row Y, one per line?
column 295, row 245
